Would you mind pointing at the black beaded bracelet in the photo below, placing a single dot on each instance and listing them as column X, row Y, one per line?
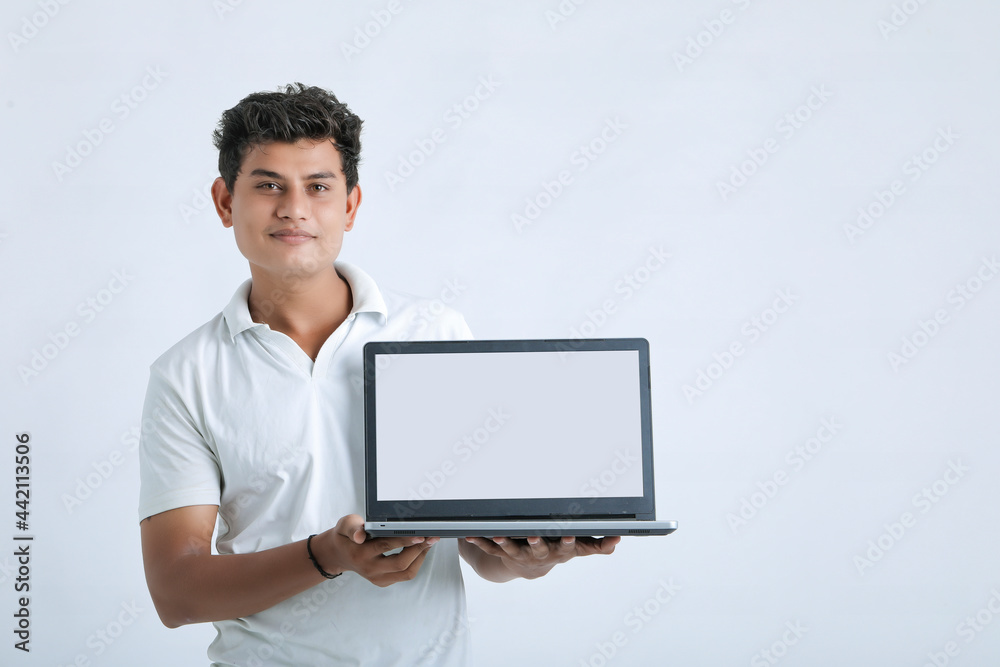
column 309, row 548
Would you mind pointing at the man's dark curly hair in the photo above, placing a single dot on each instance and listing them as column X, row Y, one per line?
column 297, row 112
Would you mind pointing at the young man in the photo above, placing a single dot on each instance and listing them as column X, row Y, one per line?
column 259, row 429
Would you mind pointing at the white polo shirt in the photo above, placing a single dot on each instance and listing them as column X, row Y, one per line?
column 238, row 416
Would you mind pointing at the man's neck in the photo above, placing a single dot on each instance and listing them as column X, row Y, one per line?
column 306, row 310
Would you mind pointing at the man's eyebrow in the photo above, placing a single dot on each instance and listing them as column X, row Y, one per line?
column 311, row 177
column 266, row 173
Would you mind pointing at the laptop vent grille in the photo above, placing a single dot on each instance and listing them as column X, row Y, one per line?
column 404, row 532
column 638, row 531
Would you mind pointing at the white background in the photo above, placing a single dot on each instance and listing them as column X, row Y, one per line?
column 718, row 591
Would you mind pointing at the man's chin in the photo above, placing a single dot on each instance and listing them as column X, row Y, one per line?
column 293, row 273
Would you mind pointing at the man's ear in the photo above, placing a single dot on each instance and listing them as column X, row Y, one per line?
column 353, row 202
column 223, row 199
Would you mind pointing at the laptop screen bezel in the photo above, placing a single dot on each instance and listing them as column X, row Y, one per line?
column 630, row 507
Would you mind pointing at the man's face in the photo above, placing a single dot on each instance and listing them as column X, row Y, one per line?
column 289, row 210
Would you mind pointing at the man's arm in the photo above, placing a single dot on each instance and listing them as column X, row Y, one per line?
column 501, row 559
column 189, row 584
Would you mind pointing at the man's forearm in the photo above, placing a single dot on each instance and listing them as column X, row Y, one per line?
column 191, row 585
column 198, row 587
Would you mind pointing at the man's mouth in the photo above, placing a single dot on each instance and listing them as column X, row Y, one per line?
column 292, row 235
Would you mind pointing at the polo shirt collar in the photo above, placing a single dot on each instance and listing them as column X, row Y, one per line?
column 365, row 294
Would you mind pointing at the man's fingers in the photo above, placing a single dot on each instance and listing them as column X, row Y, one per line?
column 605, row 545
column 538, row 547
column 541, row 549
column 508, row 546
column 352, row 527
column 608, row 544
column 380, row 545
column 403, row 566
column 533, row 547
column 411, row 570
column 486, row 545
column 402, row 559
column 349, row 525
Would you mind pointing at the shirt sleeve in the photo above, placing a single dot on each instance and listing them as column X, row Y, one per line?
column 177, row 467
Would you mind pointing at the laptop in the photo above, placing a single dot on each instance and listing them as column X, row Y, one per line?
column 512, row 438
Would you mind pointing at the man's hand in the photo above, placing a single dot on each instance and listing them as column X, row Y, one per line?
column 504, row 558
column 346, row 546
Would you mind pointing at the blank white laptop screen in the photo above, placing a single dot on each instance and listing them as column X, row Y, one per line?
column 508, row 425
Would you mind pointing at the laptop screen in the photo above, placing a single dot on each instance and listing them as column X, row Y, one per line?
column 515, row 425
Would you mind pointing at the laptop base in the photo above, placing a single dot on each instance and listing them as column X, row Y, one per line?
column 527, row 528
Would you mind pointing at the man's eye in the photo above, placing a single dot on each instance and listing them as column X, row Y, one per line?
column 268, row 186
column 319, row 187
